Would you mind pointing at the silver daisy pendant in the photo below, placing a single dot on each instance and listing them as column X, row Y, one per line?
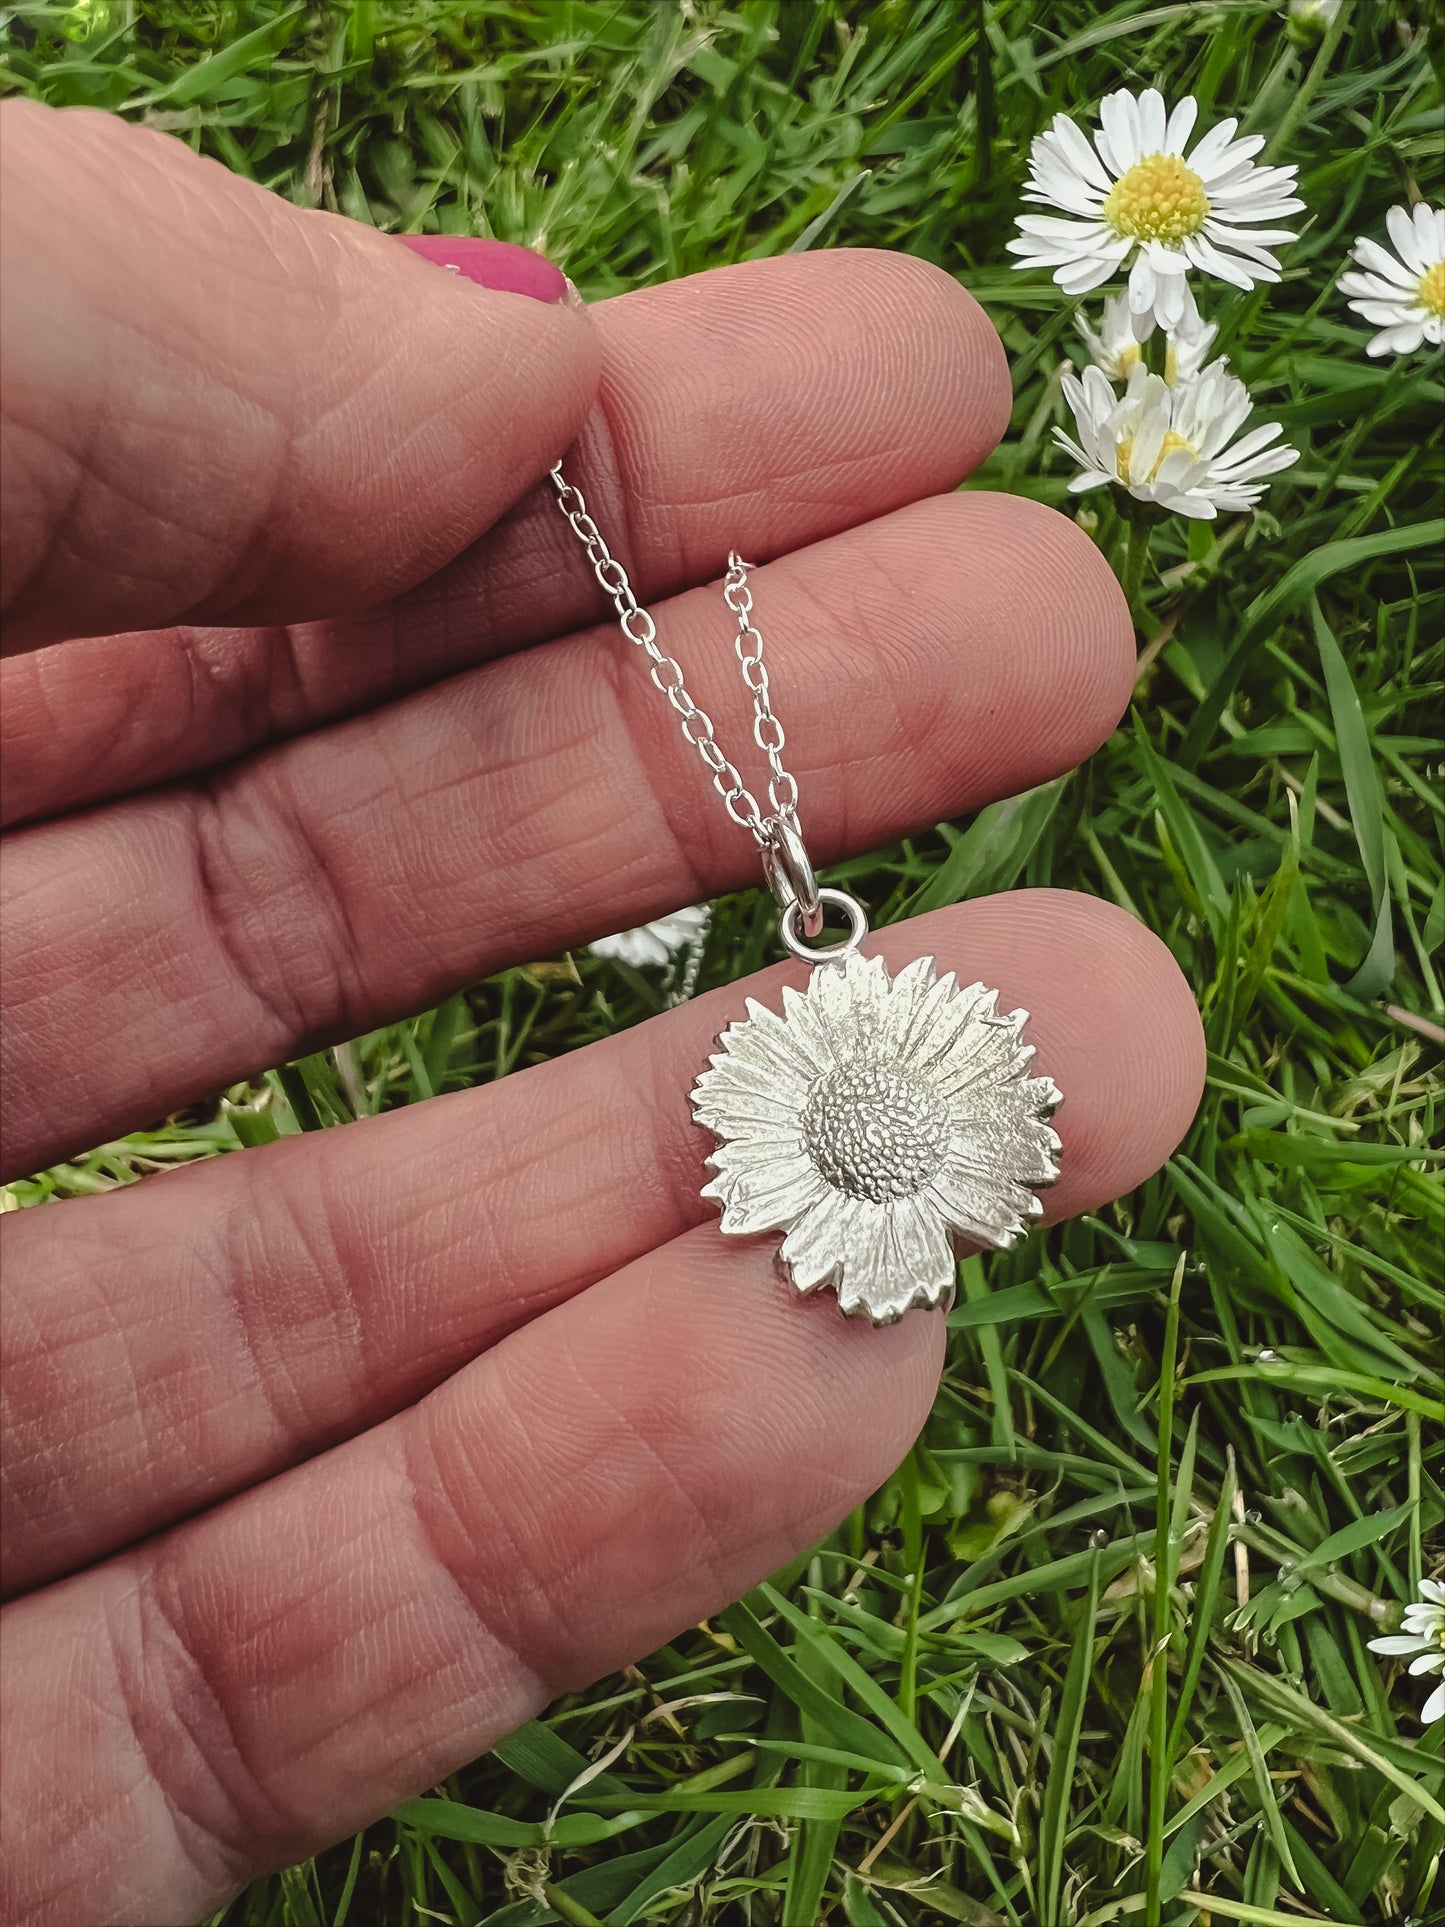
column 876, row 1118
column 874, row 1121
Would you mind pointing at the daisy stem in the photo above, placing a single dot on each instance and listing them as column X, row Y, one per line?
column 1112, row 534
column 1308, row 87
column 1136, row 555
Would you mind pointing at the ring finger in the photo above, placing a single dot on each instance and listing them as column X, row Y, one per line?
column 184, row 1337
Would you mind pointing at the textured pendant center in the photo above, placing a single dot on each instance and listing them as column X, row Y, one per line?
column 875, row 1133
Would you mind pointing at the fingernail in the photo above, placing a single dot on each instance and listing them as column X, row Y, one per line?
column 502, row 265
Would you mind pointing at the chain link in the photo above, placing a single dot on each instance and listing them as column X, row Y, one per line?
column 767, row 730
column 666, row 673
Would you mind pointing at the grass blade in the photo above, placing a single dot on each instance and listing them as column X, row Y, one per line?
column 1053, row 1822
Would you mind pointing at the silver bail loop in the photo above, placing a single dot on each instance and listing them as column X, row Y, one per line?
column 790, row 874
column 825, row 953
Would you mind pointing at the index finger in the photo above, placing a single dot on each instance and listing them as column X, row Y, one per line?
column 760, row 406
column 216, row 405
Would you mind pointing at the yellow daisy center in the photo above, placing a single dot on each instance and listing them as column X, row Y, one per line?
column 1431, row 290
column 1159, row 199
column 1126, row 455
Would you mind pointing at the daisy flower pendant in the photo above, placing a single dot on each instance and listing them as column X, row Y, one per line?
column 1140, row 195
column 873, row 1121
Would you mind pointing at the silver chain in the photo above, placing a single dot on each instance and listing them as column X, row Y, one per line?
column 779, row 835
column 638, row 627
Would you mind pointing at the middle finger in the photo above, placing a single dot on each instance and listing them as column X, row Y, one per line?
column 188, row 1335
column 958, row 650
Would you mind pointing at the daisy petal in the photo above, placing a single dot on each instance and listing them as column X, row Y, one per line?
column 1403, row 339
column 1169, row 300
column 864, row 1269
column 1430, row 228
column 975, row 1203
column 812, row 1252
column 1082, row 277
column 1223, row 266
column 1180, row 125
column 1152, row 120
column 1049, row 227
column 1225, row 160
column 1204, row 160
column 924, row 1253
column 1079, row 154
column 1376, row 306
column 1255, row 440
column 1054, row 185
column 768, row 1198
column 1166, row 260
column 1407, row 241
column 1371, row 255
column 1118, row 135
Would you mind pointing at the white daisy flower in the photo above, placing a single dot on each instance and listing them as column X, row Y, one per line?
column 1423, row 1638
column 1117, row 348
column 1405, row 298
column 656, row 943
column 870, row 1122
column 1171, row 445
column 1138, row 198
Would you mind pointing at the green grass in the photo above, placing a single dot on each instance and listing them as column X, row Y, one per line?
column 1097, row 1649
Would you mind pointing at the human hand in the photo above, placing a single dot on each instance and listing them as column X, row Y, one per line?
column 328, row 1463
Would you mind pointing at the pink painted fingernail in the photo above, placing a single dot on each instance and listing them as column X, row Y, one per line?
column 502, row 265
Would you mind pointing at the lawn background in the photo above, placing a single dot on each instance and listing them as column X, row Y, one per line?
column 1198, row 1426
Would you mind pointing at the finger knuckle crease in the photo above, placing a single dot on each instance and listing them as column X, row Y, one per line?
column 472, row 1542
column 277, row 912
column 217, row 1801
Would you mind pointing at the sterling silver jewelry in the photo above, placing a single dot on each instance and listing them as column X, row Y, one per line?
column 875, row 1118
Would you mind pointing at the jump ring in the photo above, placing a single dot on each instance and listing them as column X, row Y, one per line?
column 790, row 873
column 788, row 929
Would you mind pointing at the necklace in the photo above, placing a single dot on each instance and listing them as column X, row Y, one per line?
column 875, row 1118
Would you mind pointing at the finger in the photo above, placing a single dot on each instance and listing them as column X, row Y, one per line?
column 833, row 388
column 283, row 1670
column 177, row 1341
column 217, row 406
column 964, row 648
